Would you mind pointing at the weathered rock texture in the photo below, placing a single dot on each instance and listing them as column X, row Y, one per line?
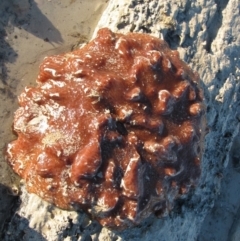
column 206, row 33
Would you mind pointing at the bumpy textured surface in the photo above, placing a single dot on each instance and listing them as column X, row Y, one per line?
column 114, row 128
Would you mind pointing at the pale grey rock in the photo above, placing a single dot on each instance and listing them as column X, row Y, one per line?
column 38, row 220
column 207, row 35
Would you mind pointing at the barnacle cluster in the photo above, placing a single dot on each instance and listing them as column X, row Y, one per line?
column 114, row 128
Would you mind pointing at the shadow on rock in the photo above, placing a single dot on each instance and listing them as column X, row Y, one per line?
column 19, row 230
column 85, row 229
column 8, row 205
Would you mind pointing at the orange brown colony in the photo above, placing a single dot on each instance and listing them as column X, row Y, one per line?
column 114, row 128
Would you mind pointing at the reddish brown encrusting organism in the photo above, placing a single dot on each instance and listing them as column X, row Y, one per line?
column 114, row 128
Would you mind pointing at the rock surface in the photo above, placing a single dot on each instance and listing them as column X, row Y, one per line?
column 206, row 33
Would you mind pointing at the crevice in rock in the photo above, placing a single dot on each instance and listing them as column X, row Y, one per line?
column 216, row 23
